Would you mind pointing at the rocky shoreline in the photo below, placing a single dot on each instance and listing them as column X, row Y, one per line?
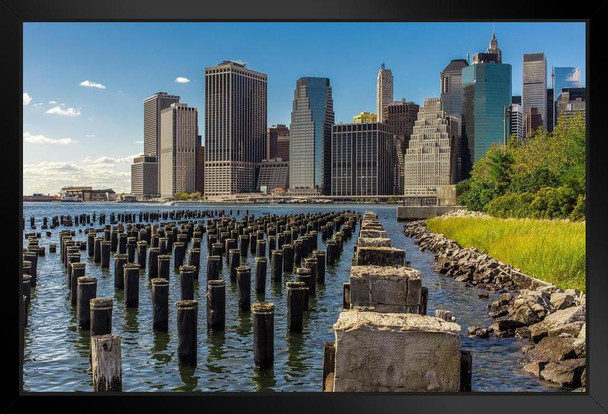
column 550, row 319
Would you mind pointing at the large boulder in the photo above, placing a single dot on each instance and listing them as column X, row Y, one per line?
column 552, row 349
column 561, row 300
column 570, row 329
column 565, row 373
column 561, row 317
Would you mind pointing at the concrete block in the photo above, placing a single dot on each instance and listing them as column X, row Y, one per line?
column 379, row 256
column 396, row 352
column 372, row 233
column 374, row 242
column 385, row 288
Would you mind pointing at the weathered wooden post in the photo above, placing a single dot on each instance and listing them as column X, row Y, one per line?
column 160, row 303
column 466, row 371
column 131, row 244
column 332, row 250
column 178, row 254
column 163, row 265
column 298, row 251
column 194, row 259
column 260, row 274
column 106, row 364
column 276, row 266
column 320, row 256
column 243, row 287
column 304, row 274
column 243, row 244
column 311, row 263
column 424, row 297
column 234, row 262
column 77, row 270
column 91, row 243
column 122, row 243
column 105, row 254
column 142, row 247
column 216, row 304
column 213, row 267
column 261, row 248
column 187, row 282
column 229, row 244
column 186, row 331
column 101, row 316
column 296, row 296
column 288, row 258
column 131, row 275
column 153, row 262
column 263, row 334
column 97, row 250
column 87, row 290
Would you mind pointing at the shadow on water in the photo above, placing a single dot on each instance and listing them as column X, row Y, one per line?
column 159, row 347
column 216, row 342
column 264, row 379
column 245, row 324
column 131, row 323
column 295, row 344
column 188, row 378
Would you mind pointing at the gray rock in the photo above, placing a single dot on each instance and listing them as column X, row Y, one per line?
column 571, row 329
column 558, row 318
column 565, row 373
column 534, row 368
column 561, row 300
column 504, row 325
column 552, row 349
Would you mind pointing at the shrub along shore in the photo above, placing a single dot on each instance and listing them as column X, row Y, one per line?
column 549, row 250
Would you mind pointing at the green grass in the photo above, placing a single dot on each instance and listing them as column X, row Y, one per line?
column 550, row 250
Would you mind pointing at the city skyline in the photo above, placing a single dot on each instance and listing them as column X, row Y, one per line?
column 83, row 122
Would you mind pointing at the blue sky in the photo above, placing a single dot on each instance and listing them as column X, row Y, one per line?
column 77, row 134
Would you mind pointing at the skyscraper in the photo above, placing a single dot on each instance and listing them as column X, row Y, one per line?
column 550, row 110
column 534, row 90
column 430, row 159
column 310, row 137
column 178, row 149
column 532, row 121
column 273, row 149
column 486, row 92
column 361, row 159
column 517, row 122
column 451, row 87
column 144, row 177
column 235, row 127
column 152, row 107
column 401, row 116
column 384, row 90
column 563, row 77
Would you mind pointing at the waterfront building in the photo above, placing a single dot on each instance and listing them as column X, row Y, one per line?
column 274, row 173
column 399, row 147
column 86, row 193
column 310, row 137
column 533, row 121
column 534, row 90
column 153, row 105
column 516, row 99
column 401, row 116
column 277, row 142
column 486, row 88
column 200, row 167
column 361, row 159
column 550, row 110
column 144, row 177
column 384, row 90
column 365, row 118
column 517, row 122
column 235, row 127
column 430, row 159
column 561, row 78
column 570, row 101
column 178, row 149
column 451, row 87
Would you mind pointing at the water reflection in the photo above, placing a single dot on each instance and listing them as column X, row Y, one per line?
column 264, row 379
column 131, row 323
column 189, row 378
column 159, row 348
column 216, row 346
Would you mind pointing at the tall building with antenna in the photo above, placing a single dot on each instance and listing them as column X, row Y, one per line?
column 384, row 90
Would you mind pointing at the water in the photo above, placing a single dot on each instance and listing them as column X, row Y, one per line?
column 56, row 351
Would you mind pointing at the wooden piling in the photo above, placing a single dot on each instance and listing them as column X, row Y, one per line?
column 186, row 331
column 186, row 276
column 163, row 265
column 154, row 252
column 320, row 256
column 234, row 261
column 216, row 304
column 296, row 295
column 131, row 276
column 260, row 274
column 76, row 270
column 105, row 254
column 86, row 290
column 276, row 266
column 263, row 334
column 106, row 364
column 243, row 287
column 213, row 267
column 287, row 258
column 101, row 316
column 160, row 304
column 304, row 274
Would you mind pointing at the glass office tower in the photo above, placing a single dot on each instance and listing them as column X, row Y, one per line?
column 486, row 87
column 564, row 77
column 310, row 137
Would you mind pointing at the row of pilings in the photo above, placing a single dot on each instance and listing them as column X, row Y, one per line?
column 287, row 243
column 384, row 341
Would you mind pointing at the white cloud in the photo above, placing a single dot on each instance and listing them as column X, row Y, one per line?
column 38, row 104
column 90, row 135
column 90, row 84
column 26, row 98
column 110, row 160
column 65, row 112
column 138, row 142
column 48, row 177
column 181, row 79
column 41, row 139
column 52, row 102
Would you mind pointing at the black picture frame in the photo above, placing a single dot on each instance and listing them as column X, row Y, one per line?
column 13, row 13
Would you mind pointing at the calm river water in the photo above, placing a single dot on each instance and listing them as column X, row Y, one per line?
column 56, row 351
